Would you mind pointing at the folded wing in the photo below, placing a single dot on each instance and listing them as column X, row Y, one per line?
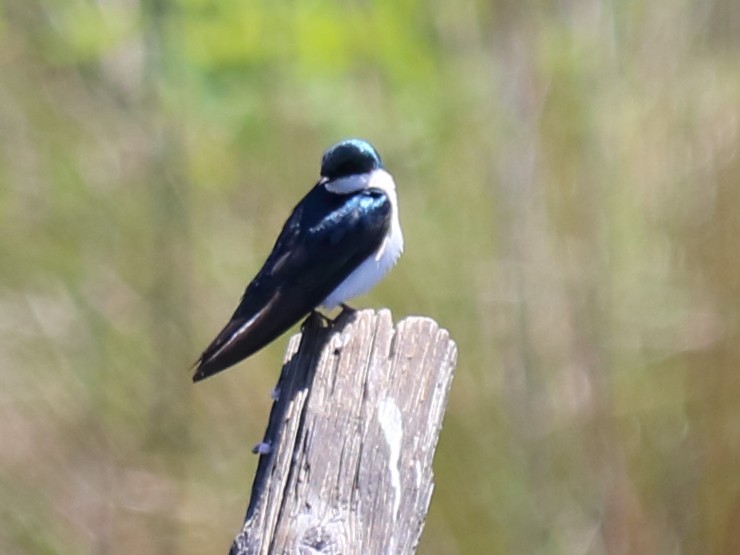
column 326, row 237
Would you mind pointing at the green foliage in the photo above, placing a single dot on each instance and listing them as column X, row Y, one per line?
column 568, row 180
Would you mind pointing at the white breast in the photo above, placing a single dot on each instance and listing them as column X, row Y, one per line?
column 372, row 270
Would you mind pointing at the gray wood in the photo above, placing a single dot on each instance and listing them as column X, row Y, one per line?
column 352, row 437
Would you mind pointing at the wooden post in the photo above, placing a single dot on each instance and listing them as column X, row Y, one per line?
column 346, row 463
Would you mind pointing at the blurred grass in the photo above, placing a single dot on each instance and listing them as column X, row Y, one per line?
column 568, row 175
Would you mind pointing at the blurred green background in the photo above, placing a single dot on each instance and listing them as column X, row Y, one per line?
column 569, row 179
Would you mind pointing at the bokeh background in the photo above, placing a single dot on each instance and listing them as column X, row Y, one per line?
column 569, row 178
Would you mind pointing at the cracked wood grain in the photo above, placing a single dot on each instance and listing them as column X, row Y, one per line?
column 351, row 438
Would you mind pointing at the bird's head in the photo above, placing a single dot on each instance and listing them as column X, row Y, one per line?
column 349, row 157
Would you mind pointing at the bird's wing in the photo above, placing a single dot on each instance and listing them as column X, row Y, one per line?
column 326, row 237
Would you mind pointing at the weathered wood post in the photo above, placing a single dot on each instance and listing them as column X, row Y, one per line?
column 346, row 463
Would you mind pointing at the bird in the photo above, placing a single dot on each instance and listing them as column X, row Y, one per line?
column 340, row 240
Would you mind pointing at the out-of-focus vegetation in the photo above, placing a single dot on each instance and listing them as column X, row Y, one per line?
column 570, row 186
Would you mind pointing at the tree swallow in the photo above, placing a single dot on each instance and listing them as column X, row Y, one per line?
column 340, row 240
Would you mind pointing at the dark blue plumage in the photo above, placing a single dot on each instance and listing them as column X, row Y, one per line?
column 341, row 223
column 350, row 157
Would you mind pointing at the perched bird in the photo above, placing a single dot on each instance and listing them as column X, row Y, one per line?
column 340, row 240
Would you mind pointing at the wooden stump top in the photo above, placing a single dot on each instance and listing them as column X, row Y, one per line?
column 351, row 438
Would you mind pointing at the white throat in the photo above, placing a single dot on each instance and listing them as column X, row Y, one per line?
column 351, row 183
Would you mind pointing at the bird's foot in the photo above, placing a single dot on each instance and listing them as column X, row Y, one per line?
column 347, row 308
column 347, row 312
column 315, row 320
column 324, row 318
